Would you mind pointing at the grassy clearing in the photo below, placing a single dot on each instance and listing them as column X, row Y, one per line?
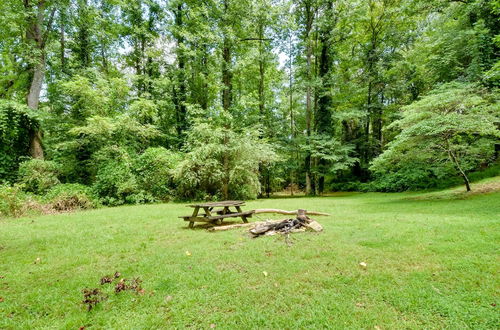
column 432, row 263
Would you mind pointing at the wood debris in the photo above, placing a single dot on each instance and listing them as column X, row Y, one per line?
column 295, row 212
column 272, row 227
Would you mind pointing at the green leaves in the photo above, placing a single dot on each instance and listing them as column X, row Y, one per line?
column 220, row 160
column 454, row 128
column 16, row 121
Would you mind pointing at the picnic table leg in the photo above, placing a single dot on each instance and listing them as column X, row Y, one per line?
column 195, row 213
column 207, row 212
column 243, row 217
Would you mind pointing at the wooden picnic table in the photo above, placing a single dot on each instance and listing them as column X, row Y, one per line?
column 217, row 211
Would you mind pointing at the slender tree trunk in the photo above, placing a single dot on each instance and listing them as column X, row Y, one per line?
column 292, row 130
column 204, row 63
column 226, row 75
column 261, row 74
column 63, row 40
column 309, row 21
column 181, row 78
column 323, row 118
column 226, row 100
column 455, row 161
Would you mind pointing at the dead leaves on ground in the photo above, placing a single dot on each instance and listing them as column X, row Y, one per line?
column 135, row 285
column 91, row 297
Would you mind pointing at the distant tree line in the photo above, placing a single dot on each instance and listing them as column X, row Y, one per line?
column 148, row 100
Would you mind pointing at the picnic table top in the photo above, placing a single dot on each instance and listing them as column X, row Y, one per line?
column 218, row 204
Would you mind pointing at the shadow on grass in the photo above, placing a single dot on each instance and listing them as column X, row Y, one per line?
column 205, row 226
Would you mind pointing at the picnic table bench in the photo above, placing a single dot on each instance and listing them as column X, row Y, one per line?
column 217, row 211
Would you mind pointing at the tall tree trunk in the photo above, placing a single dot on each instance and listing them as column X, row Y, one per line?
column 292, row 125
column 309, row 20
column 204, row 67
column 226, row 99
column 323, row 118
column 261, row 74
column 63, row 39
column 181, row 109
column 227, row 83
column 226, row 75
column 36, row 149
column 83, row 41
column 36, row 37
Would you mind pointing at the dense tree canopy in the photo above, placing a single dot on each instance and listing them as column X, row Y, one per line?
column 148, row 100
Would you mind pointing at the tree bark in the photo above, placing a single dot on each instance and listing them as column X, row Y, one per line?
column 226, row 75
column 36, row 36
column 459, row 168
column 309, row 20
column 323, row 118
column 227, row 83
column 181, row 110
column 83, row 41
column 292, row 125
column 63, row 39
column 261, row 74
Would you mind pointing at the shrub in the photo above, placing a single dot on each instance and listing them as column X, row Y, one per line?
column 154, row 172
column 38, row 175
column 16, row 121
column 68, row 197
column 222, row 163
column 115, row 181
column 12, row 200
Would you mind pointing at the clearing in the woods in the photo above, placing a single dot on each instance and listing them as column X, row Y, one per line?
column 431, row 261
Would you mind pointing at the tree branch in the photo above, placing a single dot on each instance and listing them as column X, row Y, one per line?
column 48, row 28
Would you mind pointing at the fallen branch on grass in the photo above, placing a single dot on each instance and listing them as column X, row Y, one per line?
column 239, row 225
column 295, row 212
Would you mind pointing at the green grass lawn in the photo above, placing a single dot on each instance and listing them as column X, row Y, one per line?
column 432, row 263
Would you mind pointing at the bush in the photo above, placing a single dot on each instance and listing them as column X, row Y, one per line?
column 154, row 172
column 38, row 176
column 12, row 200
column 68, row 197
column 222, row 163
column 16, row 121
column 115, row 181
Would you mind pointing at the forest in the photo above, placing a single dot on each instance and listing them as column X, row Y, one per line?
column 111, row 102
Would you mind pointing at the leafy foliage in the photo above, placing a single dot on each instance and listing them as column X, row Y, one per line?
column 451, row 130
column 118, row 94
column 38, row 176
column 71, row 196
column 16, row 121
column 115, row 182
column 154, row 170
column 12, row 200
column 222, row 163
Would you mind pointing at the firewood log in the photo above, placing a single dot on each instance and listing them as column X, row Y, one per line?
column 295, row 212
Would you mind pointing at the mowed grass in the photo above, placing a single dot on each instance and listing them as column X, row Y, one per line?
column 431, row 263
